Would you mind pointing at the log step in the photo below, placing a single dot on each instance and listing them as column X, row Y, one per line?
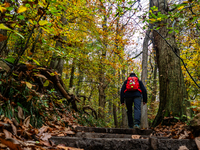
column 124, row 143
column 114, row 130
column 105, row 135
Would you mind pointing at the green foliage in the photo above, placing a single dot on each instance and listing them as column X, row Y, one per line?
column 89, row 120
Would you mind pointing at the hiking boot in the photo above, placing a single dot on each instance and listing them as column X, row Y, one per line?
column 136, row 126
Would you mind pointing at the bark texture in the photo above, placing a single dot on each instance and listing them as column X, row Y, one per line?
column 172, row 89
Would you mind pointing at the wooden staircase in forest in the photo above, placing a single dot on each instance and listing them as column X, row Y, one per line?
column 91, row 138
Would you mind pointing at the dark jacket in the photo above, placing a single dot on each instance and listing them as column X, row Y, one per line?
column 132, row 94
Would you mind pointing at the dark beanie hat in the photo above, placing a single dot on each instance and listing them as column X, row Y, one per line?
column 132, row 74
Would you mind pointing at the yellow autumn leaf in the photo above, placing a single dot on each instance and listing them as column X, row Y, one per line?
column 46, row 30
column 43, row 22
column 152, row 20
column 2, row 9
column 29, row 85
column 44, row 1
column 2, row 26
column 41, row 4
column 31, row 21
column 181, row 7
column 21, row 9
column 46, row 83
column 159, row 19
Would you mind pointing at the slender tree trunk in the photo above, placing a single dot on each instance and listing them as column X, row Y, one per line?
column 72, row 74
column 144, row 116
column 173, row 94
column 80, row 78
column 115, row 115
column 57, row 63
column 102, row 84
column 101, row 100
column 154, row 89
column 124, row 113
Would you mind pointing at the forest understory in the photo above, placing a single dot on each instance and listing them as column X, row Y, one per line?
column 52, row 113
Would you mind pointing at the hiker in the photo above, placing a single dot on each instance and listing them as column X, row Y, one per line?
column 133, row 91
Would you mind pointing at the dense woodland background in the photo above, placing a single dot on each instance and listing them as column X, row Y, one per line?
column 75, row 55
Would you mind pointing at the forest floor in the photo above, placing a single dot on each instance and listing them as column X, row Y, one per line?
column 23, row 136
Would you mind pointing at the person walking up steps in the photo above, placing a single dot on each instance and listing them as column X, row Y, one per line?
column 133, row 91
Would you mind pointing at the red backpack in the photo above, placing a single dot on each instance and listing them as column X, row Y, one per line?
column 133, row 84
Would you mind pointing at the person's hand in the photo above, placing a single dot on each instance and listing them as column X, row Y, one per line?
column 144, row 103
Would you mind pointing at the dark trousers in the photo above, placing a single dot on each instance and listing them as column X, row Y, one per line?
column 137, row 110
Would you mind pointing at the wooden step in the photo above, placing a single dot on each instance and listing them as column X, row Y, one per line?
column 114, row 130
column 106, row 135
column 124, row 143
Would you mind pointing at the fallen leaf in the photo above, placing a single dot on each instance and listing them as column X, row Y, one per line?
column 14, row 128
column 20, row 113
column 3, row 146
column 135, row 136
column 10, row 144
column 42, row 130
column 197, row 141
column 29, row 85
column 15, row 122
column 26, row 122
column 29, row 98
column 7, row 133
column 45, row 136
column 183, row 148
column 46, row 143
column 68, row 148
column 40, row 75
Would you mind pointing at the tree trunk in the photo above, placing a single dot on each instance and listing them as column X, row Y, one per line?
column 173, row 94
column 57, row 62
column 80, row 78
column 154, row 86
column 115, row 115
column 124, row 114
column 102, row 84
column 72, row 74
column 144, row 116
column 101, row 99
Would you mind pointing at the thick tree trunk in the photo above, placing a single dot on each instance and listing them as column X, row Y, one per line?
column 173, row 94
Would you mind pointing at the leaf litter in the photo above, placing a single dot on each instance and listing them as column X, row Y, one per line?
column 24, row 136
